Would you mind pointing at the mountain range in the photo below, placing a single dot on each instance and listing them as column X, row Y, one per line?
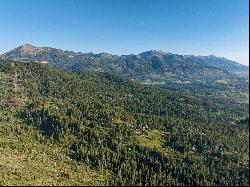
column 151, row 66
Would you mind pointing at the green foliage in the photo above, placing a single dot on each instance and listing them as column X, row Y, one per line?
column 28, row 158
column 140, row 135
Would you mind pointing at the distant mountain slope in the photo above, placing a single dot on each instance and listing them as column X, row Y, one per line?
column 223, row 63
column 154, row 67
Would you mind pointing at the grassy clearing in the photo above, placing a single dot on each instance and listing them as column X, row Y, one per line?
column 153, row 139
column 222, row 81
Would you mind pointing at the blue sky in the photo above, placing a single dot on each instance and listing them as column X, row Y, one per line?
column 199, row 27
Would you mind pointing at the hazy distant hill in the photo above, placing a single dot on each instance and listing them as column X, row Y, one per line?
column 211, row 60
column 223, row 63
column 151, row 67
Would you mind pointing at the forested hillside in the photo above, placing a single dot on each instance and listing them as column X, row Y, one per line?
column 119, row 132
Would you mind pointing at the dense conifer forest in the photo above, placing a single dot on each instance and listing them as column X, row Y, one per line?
column 97, row 128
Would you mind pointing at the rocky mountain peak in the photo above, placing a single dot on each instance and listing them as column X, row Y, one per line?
column 27, row 48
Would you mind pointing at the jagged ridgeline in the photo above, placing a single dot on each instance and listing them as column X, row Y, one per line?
column 123, row 132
